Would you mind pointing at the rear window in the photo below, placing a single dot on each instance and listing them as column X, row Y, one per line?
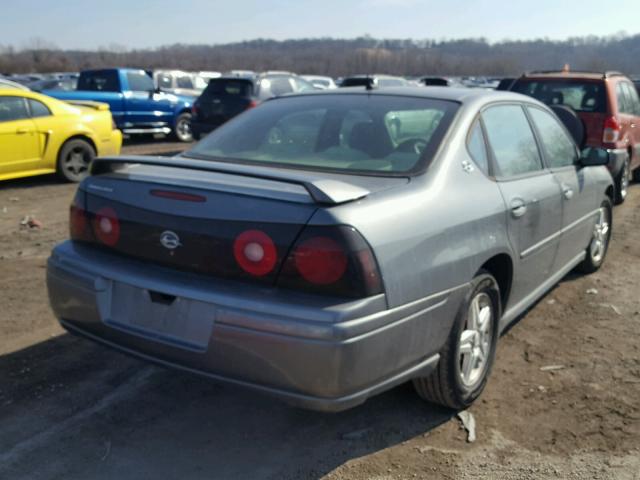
column 375, row 134
column 106, row 81
column 239, row 88
column 580, row 95
column 357, row 82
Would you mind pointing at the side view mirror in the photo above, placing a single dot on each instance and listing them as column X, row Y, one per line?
column 593, row 157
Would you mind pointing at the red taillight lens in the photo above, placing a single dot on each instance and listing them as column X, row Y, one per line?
column 107, row 226
column 252, row 104
column 611, row 133
column 255, row 252
column 78, row 223
column 332, row 260
column 320, row 260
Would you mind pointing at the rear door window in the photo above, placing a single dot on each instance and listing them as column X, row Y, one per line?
column 512, row 141
column 38, row 109
column 559, row 149
column 478, row 148
column 633, row 104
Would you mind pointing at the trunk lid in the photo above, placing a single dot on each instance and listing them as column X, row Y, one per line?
column 168, row 212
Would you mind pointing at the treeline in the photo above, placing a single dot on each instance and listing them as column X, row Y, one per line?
column 337, row 57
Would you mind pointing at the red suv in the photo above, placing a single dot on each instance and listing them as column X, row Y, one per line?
column 609, row 107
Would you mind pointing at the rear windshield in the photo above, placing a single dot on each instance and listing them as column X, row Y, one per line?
column 374, row 134
column 580, row 95
column 232, row 87
column 357, row 82
column 103, row 81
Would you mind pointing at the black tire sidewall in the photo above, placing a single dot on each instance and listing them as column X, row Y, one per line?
column 483, row 282
column 64, row 151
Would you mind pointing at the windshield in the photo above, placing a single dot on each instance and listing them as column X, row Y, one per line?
column 376, row 134
column 580, row 95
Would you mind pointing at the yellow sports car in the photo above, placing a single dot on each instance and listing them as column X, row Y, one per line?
column 39, row 134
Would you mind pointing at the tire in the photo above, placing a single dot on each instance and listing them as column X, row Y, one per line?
column 447, row 385
column 599, row 243
column 182, row 130
column 622, row 181
column 635, row 175
column 73, row 160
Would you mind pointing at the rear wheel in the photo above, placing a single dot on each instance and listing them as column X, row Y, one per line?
column 467, row 357
column 74, row 159
column 622, row 181
column 599, row 244
column 182, row 129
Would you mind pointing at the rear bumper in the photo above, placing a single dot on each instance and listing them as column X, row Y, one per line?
column 201, row 129
column 617, row 156
column 308, row 351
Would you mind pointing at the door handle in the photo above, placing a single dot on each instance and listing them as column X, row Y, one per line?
column 22, row 130
column 567, row 192
column 518, row 207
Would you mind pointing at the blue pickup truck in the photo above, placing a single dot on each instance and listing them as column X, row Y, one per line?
column 137, row 107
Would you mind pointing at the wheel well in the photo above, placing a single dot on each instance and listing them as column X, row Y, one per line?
column 609, row 192
column 79, row 137
column 501, row 267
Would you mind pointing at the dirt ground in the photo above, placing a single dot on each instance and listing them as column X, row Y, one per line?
column 70, row 409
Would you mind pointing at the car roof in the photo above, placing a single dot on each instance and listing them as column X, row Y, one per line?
column 454, row 94
column 572, row 75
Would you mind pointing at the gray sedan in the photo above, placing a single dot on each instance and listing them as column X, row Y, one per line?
column 326, row 247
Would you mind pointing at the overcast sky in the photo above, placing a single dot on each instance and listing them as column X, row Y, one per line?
column 149, row 23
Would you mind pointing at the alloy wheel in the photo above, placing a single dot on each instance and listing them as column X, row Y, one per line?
column 600, row 236
column 475, row 340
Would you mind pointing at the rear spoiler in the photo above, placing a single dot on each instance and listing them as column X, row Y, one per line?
column 321, row 190
column 89, row 104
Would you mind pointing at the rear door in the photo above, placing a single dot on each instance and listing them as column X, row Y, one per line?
column 531, row 195
column 580, row 197
column 19, row 143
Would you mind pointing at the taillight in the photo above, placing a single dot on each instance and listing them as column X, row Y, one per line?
column 255, row 252
column 333, row 261
column 612, row 129
column 78, row 225
column 320, row 260
column 106, row 226
column 252, row 104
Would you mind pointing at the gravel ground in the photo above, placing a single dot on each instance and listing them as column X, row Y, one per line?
column 74, row 410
